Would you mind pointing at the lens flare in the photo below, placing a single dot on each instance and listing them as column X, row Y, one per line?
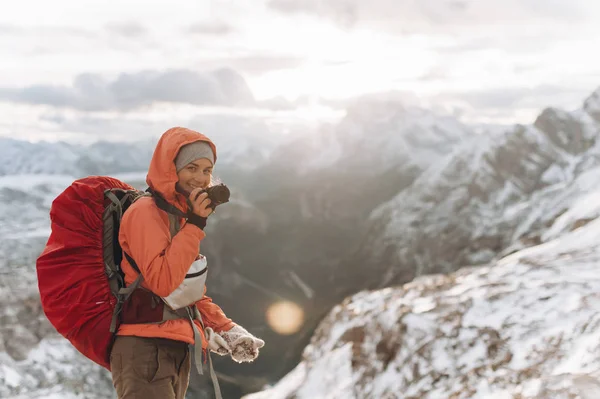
column 285, row 317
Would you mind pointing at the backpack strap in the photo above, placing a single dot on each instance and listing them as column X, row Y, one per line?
column 173, row 210
column 132, row 263
column 194, row 314
column 174, row 225
column 112, row 253
column 165, row 205
column 122, row 296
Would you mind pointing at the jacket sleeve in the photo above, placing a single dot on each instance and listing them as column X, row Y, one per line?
column 212, row 315
column 144, row 234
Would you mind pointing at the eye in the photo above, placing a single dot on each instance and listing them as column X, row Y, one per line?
column 191, row 168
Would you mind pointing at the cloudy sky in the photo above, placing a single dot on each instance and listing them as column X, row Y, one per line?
column 124, row 69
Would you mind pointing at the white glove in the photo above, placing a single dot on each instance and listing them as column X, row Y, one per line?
column 216, row 343
column 244, row 346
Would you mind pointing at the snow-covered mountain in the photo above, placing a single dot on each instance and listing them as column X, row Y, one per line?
column 379, row 133
column 240, row 143
column 25, row 158
column 490, row 194
column 526, row 326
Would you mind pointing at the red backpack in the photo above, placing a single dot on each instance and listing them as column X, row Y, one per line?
column 80, row 282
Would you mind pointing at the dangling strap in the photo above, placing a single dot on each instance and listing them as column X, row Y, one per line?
column 194, row 313
column 213, row 377
column 197, row 340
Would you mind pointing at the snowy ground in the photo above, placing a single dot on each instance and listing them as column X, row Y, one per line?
column 53, row 369
column 526, row 327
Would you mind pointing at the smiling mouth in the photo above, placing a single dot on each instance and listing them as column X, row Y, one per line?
column 193, row 187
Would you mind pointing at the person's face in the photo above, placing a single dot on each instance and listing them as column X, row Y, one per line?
column 195, row 174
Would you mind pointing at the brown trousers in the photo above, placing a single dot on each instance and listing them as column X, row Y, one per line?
column 148, row 368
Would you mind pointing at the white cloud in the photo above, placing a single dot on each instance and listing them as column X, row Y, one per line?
column 91, row 92
column 499, row 105
column 430, row 16
column 454, row 54
column 210, row 28
column 129, row 29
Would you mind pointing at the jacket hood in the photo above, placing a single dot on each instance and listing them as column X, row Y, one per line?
column 162, row 174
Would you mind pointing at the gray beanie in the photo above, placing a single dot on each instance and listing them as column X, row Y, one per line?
column 190, row 152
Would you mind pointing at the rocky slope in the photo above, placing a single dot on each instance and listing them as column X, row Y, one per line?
column 524, row 327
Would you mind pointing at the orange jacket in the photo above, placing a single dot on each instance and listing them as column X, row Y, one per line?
column 144, row 234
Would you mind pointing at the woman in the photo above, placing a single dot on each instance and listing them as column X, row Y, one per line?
column 150, row 357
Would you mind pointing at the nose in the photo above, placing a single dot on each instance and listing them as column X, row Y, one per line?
column 202, row 180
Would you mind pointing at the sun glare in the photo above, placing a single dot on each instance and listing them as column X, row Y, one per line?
column 342, row 66
column 285, row 317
